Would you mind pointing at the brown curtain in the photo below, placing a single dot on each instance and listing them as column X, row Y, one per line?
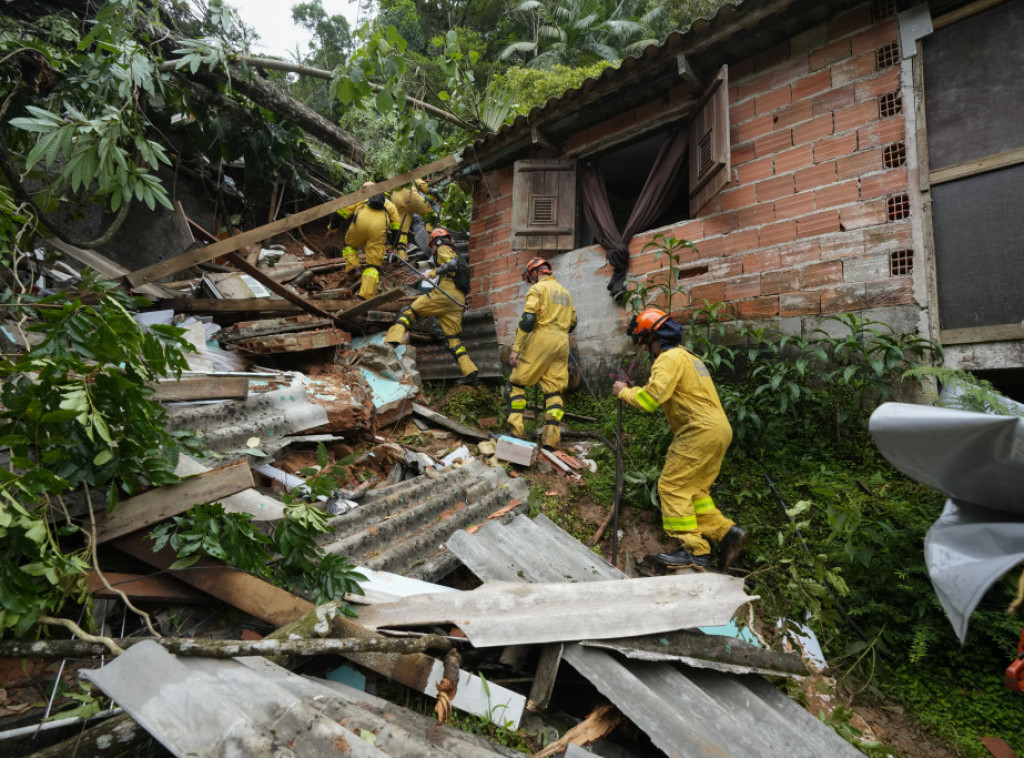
column 652, row 202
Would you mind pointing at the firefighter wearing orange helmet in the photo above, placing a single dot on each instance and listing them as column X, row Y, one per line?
column 540, row 354
column 447, row 304
column 370, row 224
column 681, row 384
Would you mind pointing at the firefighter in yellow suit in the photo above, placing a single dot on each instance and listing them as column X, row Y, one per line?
column 410, row 201
column 681, row 384
column 370, row 224
column 447, row 305
column 540, row 354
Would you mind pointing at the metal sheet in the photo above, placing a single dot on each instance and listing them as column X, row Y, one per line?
column 478, row 335
column 505, row 613
column 977, row 459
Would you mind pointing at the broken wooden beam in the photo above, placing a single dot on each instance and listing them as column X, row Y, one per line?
column 210, row 387
column 248, row 305
column 150, row 589
column 161, row 503
column 222, row 247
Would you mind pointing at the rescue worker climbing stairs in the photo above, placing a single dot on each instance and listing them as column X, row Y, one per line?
column 372, row 224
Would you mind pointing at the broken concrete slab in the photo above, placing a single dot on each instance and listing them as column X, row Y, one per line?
column 515, row 450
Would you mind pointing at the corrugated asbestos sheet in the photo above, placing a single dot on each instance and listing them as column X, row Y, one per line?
column 209, row 708
column 435, row 362
column 402, row 528
column 690, row 713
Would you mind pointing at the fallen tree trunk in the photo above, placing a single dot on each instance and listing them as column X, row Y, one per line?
column 211, row 648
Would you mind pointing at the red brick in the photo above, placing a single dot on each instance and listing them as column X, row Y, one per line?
column 887, row 80
column 833, row 100
column 853, row 69
column 796, row 113
column 879, row 35
column 855, row 116
column 816, row 176
column 713, row 247
column 772, row 189
column 841, row 298
column 882, row 185
column 815, row 129
column 505, row 279
column 742, row 112
column 799, row 304
column 791, row 160
column 739, row 242
column 691, row 230
column 866, row 268
column 754, row 171
column 743, row 287
column 772, row 57
column 757, row 127
column 761, row 307
column 725, row 268
column 796, row 253
column 831, row 148
column 738, row 197
column 835, row 195
column 776, row 282
column 761, row 261
column 814, row 84
column 849, row 245
column 836, row 51
column 863, row 214
column 822, row 222
column 723, row 223
column 896, row 291
column 859, row 164
column 753, row 86
column 794, row 206
column 756, row 215
column 772, row 100
column 742, row 153
column 773, row 143
column 819, row 275
column 778, row 233
column 889, row 237
column 794, row 69
column 711, row 291
column 850, row 21
column 881, row 133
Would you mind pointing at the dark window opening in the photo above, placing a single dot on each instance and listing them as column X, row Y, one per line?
column 901, row 262
column 894, row 155
column 888, row 55
column 898, row 207
column 625, row 170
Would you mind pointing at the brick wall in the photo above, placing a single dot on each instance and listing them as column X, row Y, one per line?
column 816, row 220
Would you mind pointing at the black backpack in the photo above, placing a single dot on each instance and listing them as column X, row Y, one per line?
column 376, row 202
column 462, row 275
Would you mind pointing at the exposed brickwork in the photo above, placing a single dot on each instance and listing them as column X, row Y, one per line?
column 817, row 134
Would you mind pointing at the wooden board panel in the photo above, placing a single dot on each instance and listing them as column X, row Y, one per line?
column 154, row 589
column 202, row 388
column 973, row 87
column 163, row 502
column 979, row 267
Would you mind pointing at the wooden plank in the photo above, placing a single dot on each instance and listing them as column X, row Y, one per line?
column 107, row 267
column 544, row 680
column 277, row 288
column 247, row 305
column 163, row 502
column 946, row 19
column 979, row 166
column 202, row 388
column 222, row 247
column 436, row 418
column 973, row 334
column 157, row 589
column 368, row 305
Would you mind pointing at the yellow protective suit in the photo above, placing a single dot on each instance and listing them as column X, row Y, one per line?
column 369, row 231
column 543, row 357
column 409, row 201
column 681, row 384
column 448, row 314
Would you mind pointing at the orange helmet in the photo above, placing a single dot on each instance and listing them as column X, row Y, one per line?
column 437, row 235
column 643, row 326
column 535, row 268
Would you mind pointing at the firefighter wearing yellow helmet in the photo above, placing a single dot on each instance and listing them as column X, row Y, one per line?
column 412, row 203
column 681, row 384
column 447, row 304
column 540, row 354
column 370, row 224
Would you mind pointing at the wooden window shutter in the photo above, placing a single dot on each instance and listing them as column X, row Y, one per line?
column 709, row 143
column 544, row 205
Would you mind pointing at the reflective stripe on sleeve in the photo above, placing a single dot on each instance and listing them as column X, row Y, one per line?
column 647, row 402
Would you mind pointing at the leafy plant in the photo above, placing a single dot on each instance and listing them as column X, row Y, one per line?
column 963, row 391
column 662, row 288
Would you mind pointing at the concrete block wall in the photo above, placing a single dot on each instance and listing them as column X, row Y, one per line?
column 822, row 195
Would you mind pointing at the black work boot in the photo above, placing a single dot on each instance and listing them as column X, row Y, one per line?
column 682, row 559
column 470, row 380
column 731, row 546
